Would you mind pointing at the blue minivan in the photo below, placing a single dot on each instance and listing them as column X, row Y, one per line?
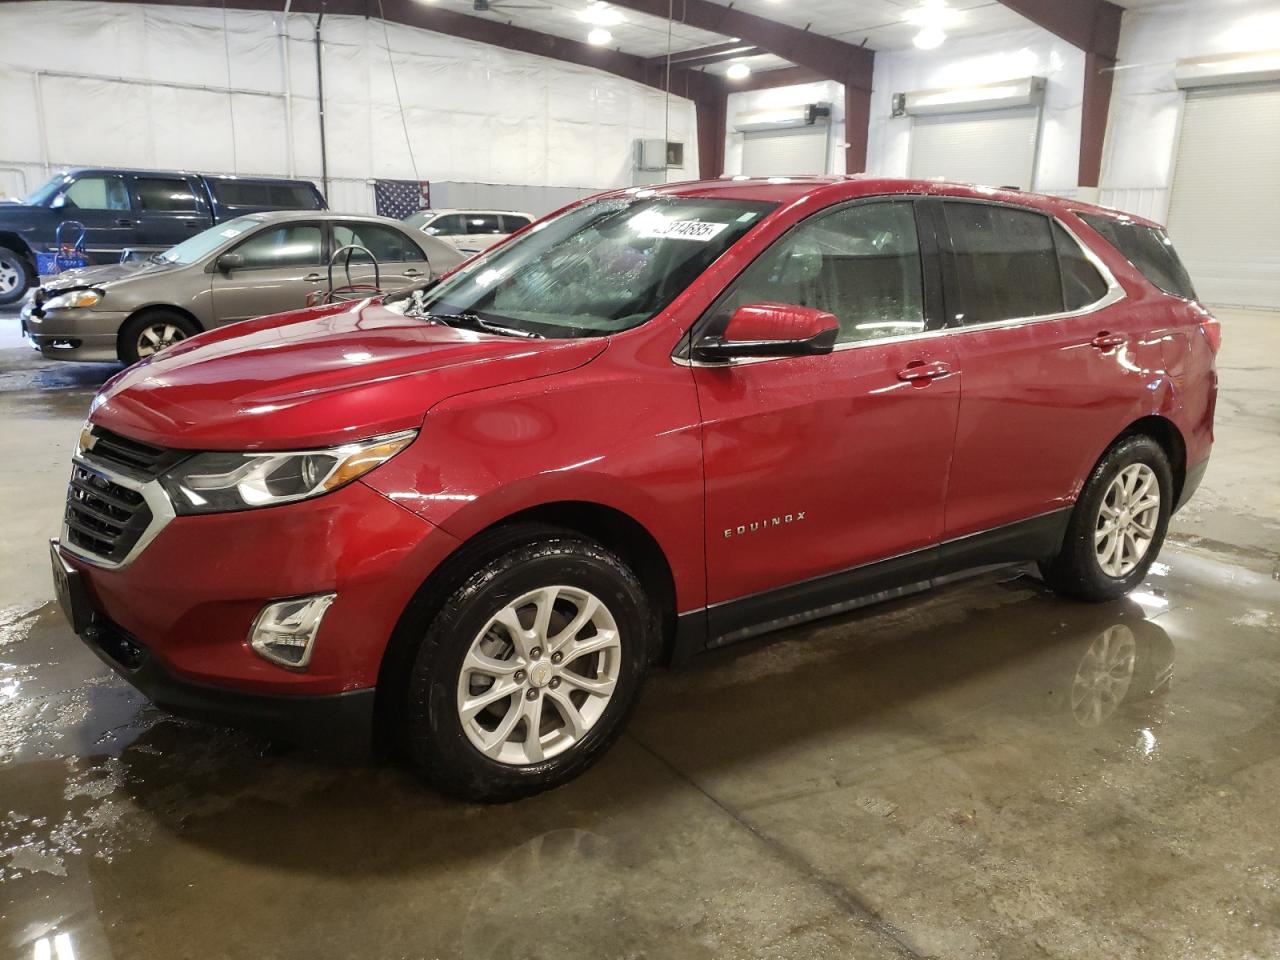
column 142, row 210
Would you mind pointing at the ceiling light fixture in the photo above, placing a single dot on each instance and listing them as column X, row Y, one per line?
column 929, row 38
column 599, row 37
column 738, row 71
column 600, row 14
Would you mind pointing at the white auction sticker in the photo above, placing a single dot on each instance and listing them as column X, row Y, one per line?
column 700, row 230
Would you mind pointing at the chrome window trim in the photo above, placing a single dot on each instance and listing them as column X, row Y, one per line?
column 152, row 494
column 1115, row 293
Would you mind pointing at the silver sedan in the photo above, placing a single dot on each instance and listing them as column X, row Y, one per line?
column 252, row 266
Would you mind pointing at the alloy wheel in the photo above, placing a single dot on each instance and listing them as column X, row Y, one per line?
column 9, row 277
column 1127, row 520
column 154, row 338
column 539, row 675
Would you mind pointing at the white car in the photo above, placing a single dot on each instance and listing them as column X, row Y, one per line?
column 470, row 230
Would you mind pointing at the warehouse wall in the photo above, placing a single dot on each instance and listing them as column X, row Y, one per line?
column 970, row 60
column 1146, row 107
column 81, row 83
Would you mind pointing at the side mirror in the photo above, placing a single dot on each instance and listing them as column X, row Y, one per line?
column 230, row 261
column 58, row 202
column 771, row 330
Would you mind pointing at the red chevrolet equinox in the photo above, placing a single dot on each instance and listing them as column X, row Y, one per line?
column 466, row 519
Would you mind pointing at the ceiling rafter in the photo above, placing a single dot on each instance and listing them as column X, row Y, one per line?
column 704, row 56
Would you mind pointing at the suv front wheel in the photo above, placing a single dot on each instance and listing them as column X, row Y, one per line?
column 1118, row 524
column 528, row 672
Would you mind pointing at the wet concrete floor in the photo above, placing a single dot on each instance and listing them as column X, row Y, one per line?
column 983, row 772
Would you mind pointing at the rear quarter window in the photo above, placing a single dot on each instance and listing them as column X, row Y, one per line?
column 1147, row 248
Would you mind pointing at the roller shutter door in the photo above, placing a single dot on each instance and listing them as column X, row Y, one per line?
column 1224, row 214
column 780, row 153
column 996, row 148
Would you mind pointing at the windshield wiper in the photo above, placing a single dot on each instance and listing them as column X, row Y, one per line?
column 477, row 322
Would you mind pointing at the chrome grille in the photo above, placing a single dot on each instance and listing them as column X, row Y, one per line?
column 103, row 518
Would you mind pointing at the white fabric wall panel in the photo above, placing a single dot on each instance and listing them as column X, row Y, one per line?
column 1146, row 106
column 965, row 61
column 1226, row 195
column 474, row 113
column 536, row 200
column 996, row 148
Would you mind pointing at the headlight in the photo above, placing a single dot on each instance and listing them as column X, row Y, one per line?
column 73, row 299
column 217, row 482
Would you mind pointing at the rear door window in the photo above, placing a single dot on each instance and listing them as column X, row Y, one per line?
column 482, row 223
column 165, row 195
column 511, row 222
column 386, row 243
column 1148, row 249
column 1003, row 264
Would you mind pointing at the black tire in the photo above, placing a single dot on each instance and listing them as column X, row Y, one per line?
column 434, row 737
column 129, row 344
column 16, row 276
column 1076, row 571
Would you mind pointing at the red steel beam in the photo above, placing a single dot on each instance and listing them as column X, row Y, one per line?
column 834, row 59
column 713, row 118
column 1094, row 27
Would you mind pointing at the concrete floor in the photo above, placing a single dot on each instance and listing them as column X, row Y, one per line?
column 984, row 772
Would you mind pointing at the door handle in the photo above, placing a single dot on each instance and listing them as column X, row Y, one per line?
column 1107, row 340
column 922, row 372
column 313, row 278
column 124, row 223
column 411, row 272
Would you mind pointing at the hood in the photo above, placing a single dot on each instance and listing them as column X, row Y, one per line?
column 107, row 273
column 316, row 378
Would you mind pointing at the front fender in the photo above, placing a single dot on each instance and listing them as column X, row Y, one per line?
column 591, row 435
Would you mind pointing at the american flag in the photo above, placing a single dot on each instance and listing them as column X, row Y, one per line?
column 399, row 198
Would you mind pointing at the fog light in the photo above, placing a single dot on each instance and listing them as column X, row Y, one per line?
column 285, row 631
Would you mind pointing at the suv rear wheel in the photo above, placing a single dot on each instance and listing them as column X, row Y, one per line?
column 16, row 275
column 529, row 670
column 1118, row 524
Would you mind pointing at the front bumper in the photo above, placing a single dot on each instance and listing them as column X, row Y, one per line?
column 83, row 334
column 341, row 723
column 183, row 606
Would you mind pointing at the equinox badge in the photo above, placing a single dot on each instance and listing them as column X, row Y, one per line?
column 757, row 525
